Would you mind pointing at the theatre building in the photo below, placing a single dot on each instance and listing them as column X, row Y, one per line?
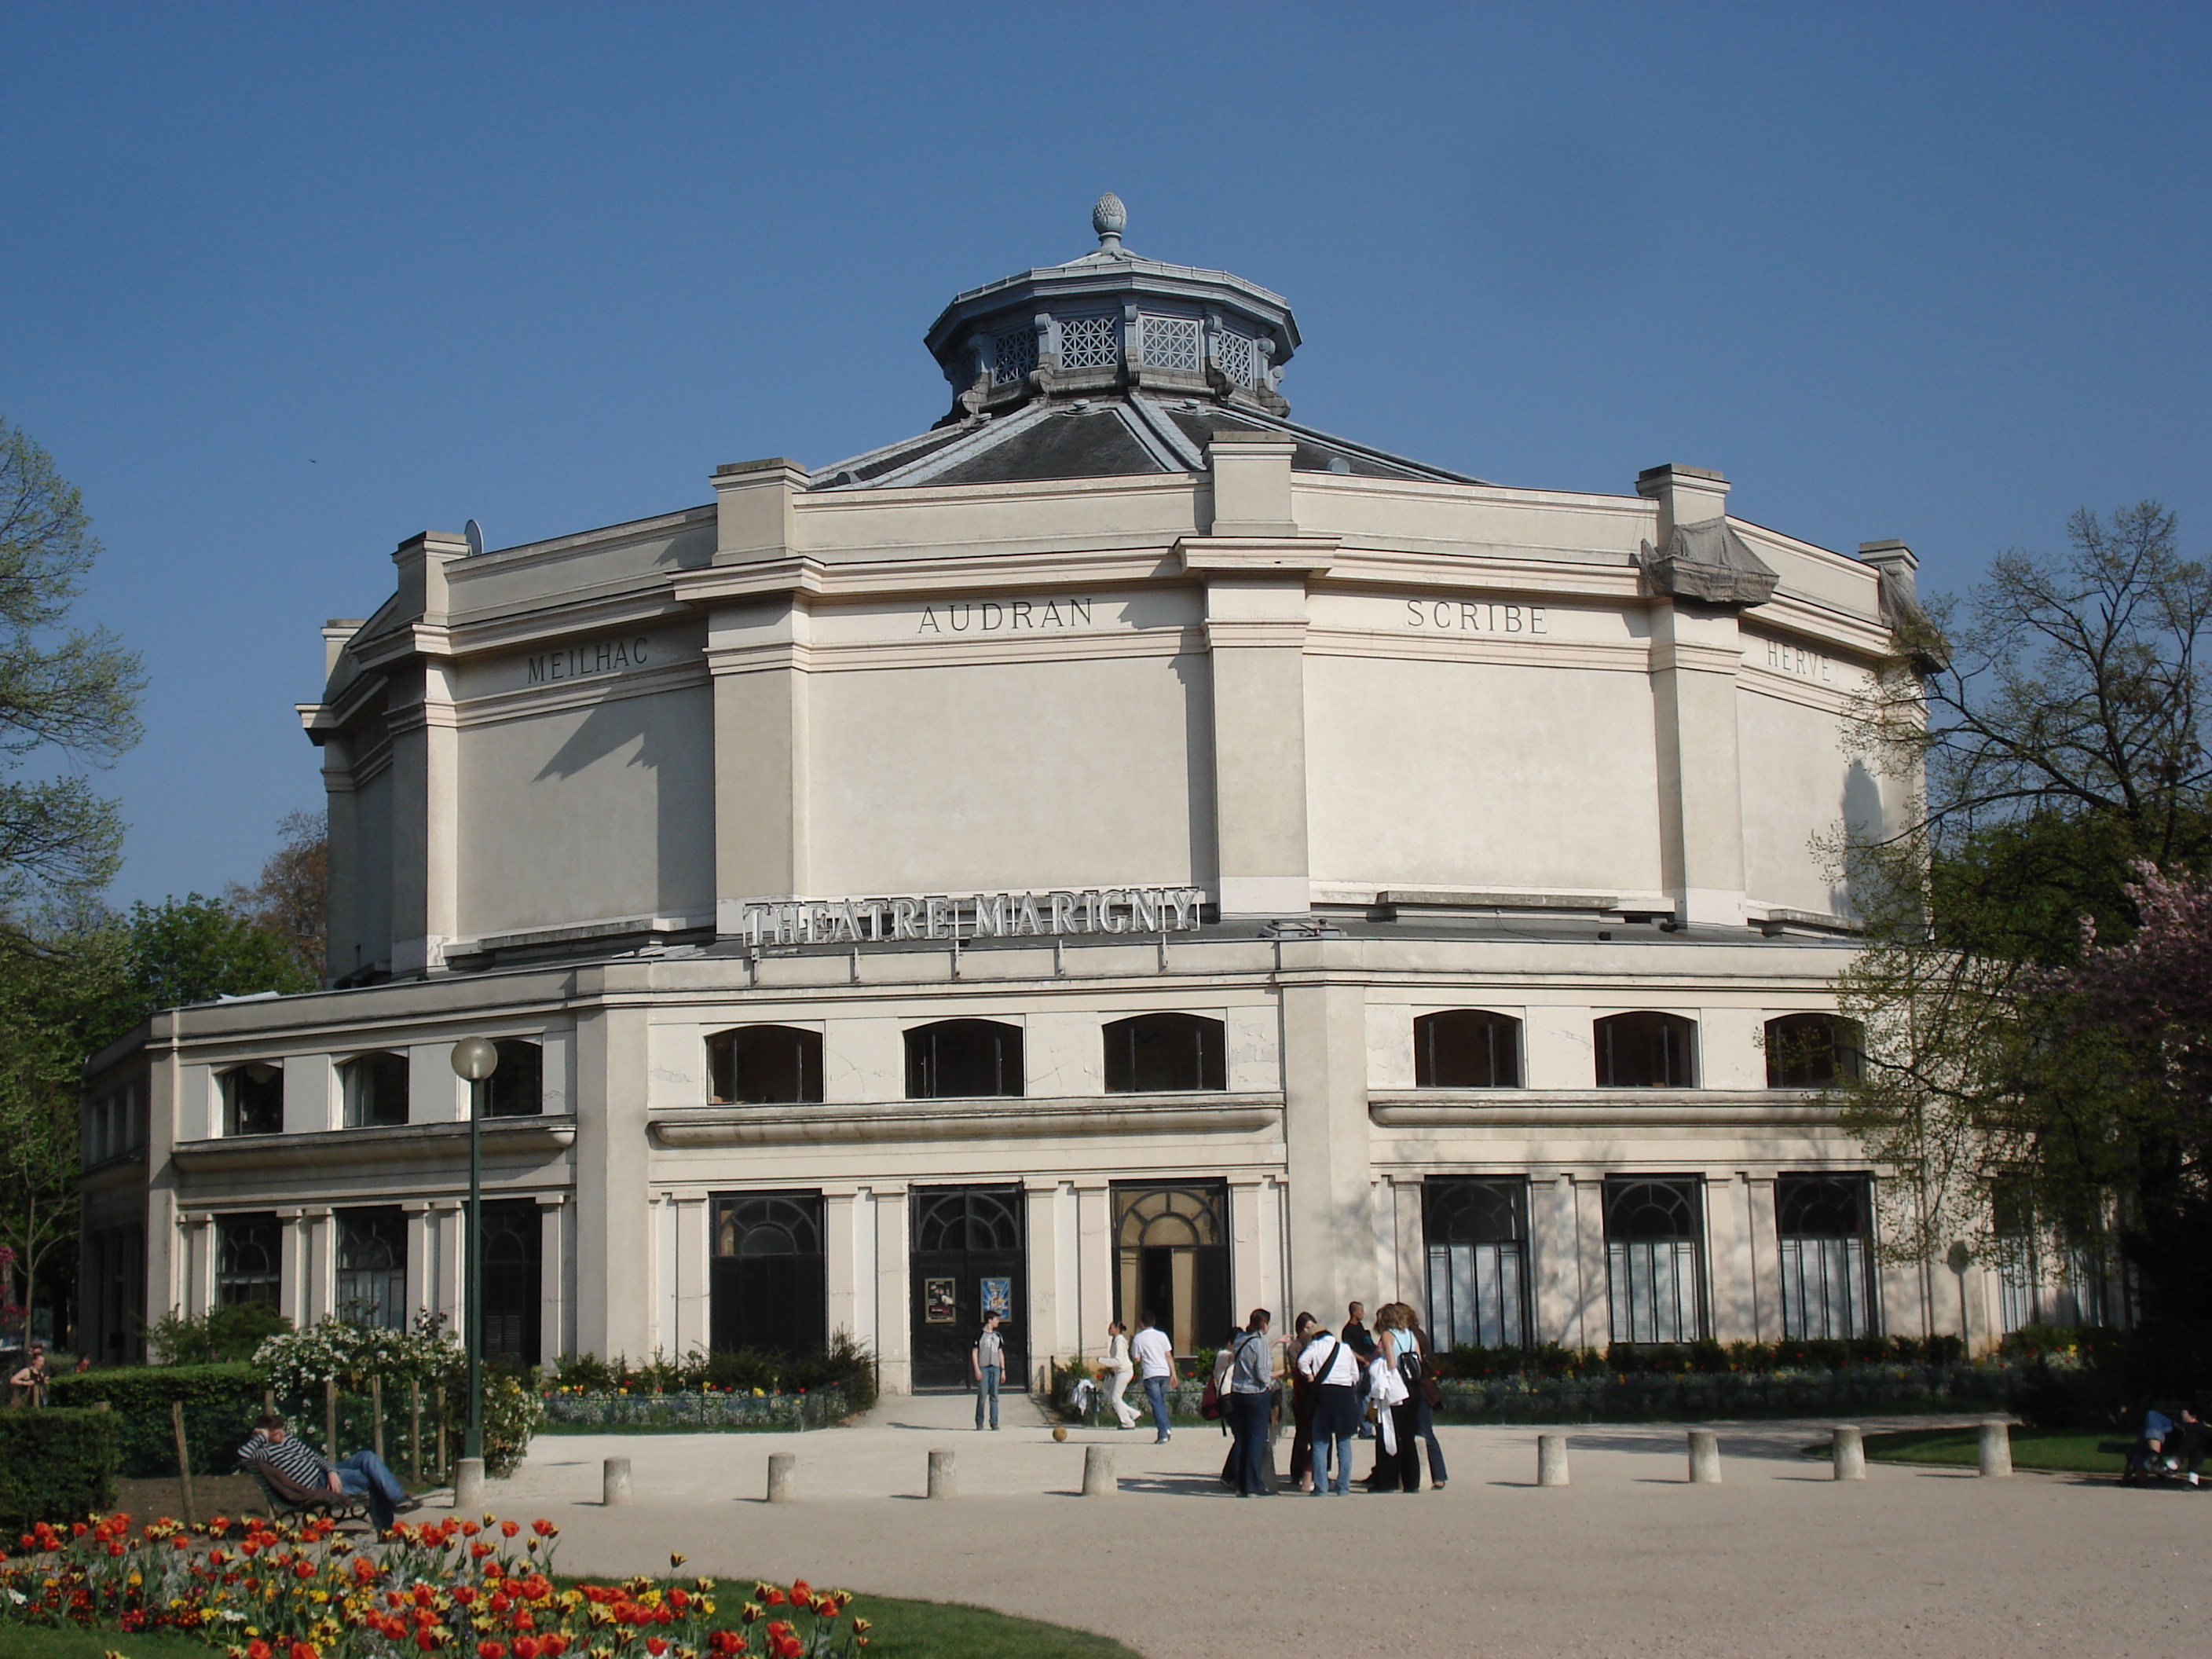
column 1121, row 849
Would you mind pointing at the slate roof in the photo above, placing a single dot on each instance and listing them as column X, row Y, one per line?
column 1125, row 433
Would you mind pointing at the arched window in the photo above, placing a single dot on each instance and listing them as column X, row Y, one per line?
column 1644, row 1051
column 1811, row 1051
column 375, row 1091
column 764, row 1066
column 1466, row 1048
column 373, row 1268
column 767, row 1278
column 1823, row 1225
column 1655, row 1258
column 1172, row 1247
column 1163, row 1053
column 248, row 1257
column 957, row 1058
column 253, row 1100
column 1477, row 1233
column 517, row 1086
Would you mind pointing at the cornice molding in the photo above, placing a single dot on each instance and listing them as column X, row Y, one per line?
column 966, row 1119
column 412, row 1142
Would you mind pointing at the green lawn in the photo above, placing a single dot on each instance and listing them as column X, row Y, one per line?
column 903, row 1629
column 2070, row 1450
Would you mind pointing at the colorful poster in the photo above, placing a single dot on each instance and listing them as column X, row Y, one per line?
column 999, row 1297
column 936, row 1302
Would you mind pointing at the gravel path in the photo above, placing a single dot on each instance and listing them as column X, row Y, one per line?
column 1780, row 1560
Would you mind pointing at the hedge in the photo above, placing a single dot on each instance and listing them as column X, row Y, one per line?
column 56, row 1466
column 221, row 1404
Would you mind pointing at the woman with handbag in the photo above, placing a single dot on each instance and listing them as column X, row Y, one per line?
column 1114, row 1375
column 1427, row 1396
column 1396, row 1365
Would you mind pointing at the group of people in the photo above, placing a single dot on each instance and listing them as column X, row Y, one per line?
column 1334, row 1387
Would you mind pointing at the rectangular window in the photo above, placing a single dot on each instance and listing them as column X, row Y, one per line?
column 248, row 1260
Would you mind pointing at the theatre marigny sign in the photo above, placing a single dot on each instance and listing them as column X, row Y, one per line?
column 973, row 915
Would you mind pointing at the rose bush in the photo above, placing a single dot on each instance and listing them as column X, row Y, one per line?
column 452, row 1588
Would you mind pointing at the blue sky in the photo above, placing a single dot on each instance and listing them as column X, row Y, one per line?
column 281, row 286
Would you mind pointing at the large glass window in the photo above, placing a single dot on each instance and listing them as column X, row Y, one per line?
column 253, row 1100
column 249, row 1253
column 1477, row 1235
column 1171, row 1247
column 1466, row 1048
column 514, row 1303
column 1654, row 1257
column 373, row 1267
column 1645, row 1051
column 957, row 1058
column 1165, row 1053
column 1811, row 1051
column 767, row 1279
column 375, row 1091
column 1825, row 1223
column 517, row 1085
column 764, row 1066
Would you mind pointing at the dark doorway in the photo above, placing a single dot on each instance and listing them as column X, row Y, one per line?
column 1171, row 1245
column 513, row 1291
column 968, row 1256
column 769, row 1285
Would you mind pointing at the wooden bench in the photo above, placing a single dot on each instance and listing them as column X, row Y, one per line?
column 287, row 1500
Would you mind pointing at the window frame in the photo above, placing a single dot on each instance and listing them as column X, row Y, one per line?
column 1426, row 1027
column 1603, row 1030
column 1208, row 1037
column 356, row 1103
column 1845, row 1055
column 723, row 1070
column 227, row 1082
column 922, row 1068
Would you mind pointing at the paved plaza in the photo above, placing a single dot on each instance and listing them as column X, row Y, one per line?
column 1780, row 1561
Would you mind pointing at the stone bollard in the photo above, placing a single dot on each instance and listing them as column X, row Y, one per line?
column 614, row 1483
column 1704, row 1458
column 1849, row 1450
column 780, row 1465
column 942, row 1480
column 1996, row 1446
column 1551, row 1460
column 468, row 1485
column 1098, row 1480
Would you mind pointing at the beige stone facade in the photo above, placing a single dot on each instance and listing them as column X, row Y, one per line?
column 1273, row 732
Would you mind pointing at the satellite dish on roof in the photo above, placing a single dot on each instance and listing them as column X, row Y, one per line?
column 472, row 533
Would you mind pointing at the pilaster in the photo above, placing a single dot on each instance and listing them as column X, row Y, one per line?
column 615, row 1250
column 421, row 1292
column 425, row 768
column 1555, row 1259
column 1326, row 1134
column 1095, row 1266
column 1765, row 1252
column 1593, row 1309
column 293, row 1271
column 553, row 1329
column 894, row 1308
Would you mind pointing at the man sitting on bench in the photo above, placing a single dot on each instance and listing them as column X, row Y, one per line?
column 362, row 1475
column 2168, row 1446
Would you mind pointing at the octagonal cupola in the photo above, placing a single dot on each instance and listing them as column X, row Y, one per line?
column 1112, row 321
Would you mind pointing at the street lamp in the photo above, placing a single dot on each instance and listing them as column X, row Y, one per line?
column 475, row 1060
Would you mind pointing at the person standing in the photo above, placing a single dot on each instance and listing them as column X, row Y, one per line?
column 1250, row 1394
column 1155, row 1357
column 30, row 1382
column 1424, row 1405
column 1301, row 1402
column 1355, row 1337
column 1113, row 1376
column 986, row 1361
column 1398, row 1452
column 1332, row 1368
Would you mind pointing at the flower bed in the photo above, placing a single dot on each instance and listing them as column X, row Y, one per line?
column 452, row 1588
column 704, row 1408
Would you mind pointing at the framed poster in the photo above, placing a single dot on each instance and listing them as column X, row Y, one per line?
column 937, row 1301
column 999, row 1297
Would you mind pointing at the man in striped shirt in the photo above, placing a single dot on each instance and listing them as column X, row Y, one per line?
column 362, row 1475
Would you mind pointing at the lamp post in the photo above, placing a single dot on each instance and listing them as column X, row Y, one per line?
column 475, row 1060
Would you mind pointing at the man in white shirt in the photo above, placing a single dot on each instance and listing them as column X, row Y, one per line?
column 1155, row 1357
column 986, row 1363
column 1334, row 1368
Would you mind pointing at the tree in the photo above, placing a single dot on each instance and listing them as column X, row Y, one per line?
column 292, row 899
column 64, row 691
column 2055, row 718
column 69, row 987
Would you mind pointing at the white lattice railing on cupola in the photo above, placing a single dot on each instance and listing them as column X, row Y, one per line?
column 1089, row 342
column 1015, row 354
column 1233, row 351
column 1171, row 343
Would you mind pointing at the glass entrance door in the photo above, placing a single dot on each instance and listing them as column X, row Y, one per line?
column 1171, row 1245
column 768, row 1284
column 968, row 1258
